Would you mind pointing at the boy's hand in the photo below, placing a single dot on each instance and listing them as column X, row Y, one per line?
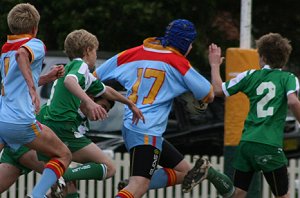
column 95, row 111
column 35, row 100
column 214, row 56
column 56, row 72
column 137, row 114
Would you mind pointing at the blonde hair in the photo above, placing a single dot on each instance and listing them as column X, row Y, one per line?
column 78, row 42
column 22, row 18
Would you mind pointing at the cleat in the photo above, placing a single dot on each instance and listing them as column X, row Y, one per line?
column 122, row 184
column 196, row 175
column 57, row 190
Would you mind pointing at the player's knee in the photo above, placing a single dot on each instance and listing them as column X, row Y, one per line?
column 183, row 167
column 66, row 156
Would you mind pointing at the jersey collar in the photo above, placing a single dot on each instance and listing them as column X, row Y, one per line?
column 19, row 37
column 78, row 59
column 151, row 44
column 268, row 67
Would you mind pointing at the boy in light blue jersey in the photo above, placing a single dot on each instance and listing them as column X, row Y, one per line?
column 14, row 164
column 21, row 63
column 153, row 75
column 270, row 91
column 9, row 167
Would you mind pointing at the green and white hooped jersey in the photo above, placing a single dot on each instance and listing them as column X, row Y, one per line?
column 63, row 105
column 267, row 91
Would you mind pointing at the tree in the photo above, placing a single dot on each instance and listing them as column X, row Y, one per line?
column 122, row 24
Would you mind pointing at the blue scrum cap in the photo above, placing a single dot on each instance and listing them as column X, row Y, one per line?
column 180, row 34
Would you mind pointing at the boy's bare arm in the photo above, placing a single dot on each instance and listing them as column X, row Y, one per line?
column 23, row 60
column 294, row 105
column 95, row 111
column 56, row 72
column 215, row 60
column 112, row 94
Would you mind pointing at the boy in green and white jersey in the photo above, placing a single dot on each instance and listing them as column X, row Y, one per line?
column 69, row 92
column 270, row 91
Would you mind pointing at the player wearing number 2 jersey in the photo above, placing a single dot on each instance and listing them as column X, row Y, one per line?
column 153, row 75
column 267, row 90
column 270, row 91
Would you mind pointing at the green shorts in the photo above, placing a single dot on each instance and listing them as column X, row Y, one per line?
column 12, row 157
column 68, row 134
column 252, row 156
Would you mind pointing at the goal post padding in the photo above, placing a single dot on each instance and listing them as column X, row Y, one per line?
column 237, row 60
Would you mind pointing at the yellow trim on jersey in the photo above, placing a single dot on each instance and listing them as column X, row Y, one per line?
column 146, row 139
column 19, row 36
column 30, row 52
column 35, row 129
column 209, row 95
column 119, row 54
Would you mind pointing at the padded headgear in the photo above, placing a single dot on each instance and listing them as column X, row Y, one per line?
column 180, row 34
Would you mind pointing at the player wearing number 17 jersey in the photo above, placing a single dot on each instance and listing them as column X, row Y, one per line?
column 270, row 91
column 153, row 75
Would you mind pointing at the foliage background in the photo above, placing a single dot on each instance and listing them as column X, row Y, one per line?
column 121, row 24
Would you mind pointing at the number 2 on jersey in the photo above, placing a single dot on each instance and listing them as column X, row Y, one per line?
column 6, row 66
column 261, row 113
column 159, row 76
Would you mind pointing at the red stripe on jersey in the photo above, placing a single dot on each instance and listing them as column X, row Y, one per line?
column 13, row 46
column 180, row 63
column 154, row 141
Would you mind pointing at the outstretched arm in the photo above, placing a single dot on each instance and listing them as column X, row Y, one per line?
column 112, row 94
column 215, row 60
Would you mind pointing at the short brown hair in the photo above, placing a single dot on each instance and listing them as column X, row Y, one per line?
column 78, row 41
column 22, row 18
column 275, row 49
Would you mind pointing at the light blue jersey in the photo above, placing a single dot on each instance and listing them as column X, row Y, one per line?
column 153, row 76
column 15, row 102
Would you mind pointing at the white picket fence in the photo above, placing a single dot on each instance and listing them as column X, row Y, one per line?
column 108, row 188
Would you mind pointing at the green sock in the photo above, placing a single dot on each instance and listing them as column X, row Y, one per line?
column 72, row 195
column 86, row 172
column 221, row 182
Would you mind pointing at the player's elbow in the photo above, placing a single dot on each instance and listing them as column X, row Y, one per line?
column 209, row 98
column 293, row 101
